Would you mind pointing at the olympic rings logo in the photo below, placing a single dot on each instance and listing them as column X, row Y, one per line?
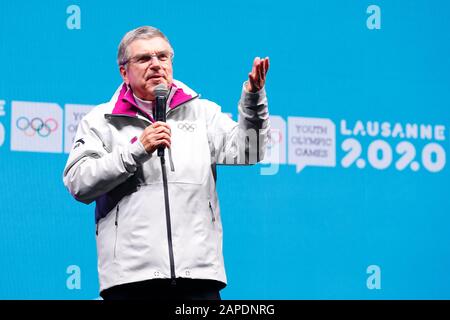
column 185, row 126
column 36, row 125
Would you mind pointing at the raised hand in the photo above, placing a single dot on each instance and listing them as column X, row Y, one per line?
column 257, row 77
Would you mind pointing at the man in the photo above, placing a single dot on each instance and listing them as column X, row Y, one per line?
column 159, row 232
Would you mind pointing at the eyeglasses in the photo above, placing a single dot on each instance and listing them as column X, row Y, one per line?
column 147, row 58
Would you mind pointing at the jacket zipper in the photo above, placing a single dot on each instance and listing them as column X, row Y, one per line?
column 213, row 217
column 116, row 223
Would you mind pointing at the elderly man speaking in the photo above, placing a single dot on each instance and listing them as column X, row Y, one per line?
column 158, row 223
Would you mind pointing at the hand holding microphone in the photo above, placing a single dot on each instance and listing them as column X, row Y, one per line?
column 157, row 135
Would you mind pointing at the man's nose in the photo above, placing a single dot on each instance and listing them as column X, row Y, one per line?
column 155, row 62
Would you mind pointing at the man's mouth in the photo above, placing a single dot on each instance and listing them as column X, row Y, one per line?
column 155, row 76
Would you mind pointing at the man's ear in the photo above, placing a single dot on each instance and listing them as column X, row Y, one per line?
column 123, row 73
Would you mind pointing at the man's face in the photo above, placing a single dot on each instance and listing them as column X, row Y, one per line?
column 144, row 72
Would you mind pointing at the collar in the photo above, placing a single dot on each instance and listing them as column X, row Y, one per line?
column 127, row 105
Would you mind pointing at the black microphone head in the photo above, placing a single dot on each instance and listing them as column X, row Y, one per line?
column 160, row 90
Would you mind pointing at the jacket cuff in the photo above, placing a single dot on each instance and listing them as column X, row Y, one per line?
column 139, row 153
column 253, row 100
column 135, row 156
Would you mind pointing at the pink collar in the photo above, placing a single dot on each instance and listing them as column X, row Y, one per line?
column 126, row 104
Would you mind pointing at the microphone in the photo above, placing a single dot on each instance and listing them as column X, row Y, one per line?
column 160, row 92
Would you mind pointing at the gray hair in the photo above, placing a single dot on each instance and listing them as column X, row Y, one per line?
column 145, row 32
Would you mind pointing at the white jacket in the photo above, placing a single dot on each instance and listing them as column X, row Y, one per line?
column 108, row 164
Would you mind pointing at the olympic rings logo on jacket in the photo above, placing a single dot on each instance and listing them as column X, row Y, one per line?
column 186, row 126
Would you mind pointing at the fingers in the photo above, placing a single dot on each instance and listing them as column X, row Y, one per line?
column 256, row 62
column 155, row 135
column 267, row 64
column 263, row 67
column 163, row 133
column 159, row 124
column 257, row 77
column 163, row 140
column 151, row 143
column 251, row 83
column 255, row 67
column 261, row 73
column 160, row 128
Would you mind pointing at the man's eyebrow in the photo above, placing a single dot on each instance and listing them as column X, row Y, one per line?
column 147, row 53
column 140, row 55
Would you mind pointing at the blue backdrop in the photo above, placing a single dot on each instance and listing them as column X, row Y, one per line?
column 352, row 202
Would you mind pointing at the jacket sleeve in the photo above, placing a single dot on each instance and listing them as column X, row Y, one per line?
column 94, row 168
column 242, row 142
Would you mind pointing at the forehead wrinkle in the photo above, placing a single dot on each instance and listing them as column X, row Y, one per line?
column 140, row 47
column 143, row 53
